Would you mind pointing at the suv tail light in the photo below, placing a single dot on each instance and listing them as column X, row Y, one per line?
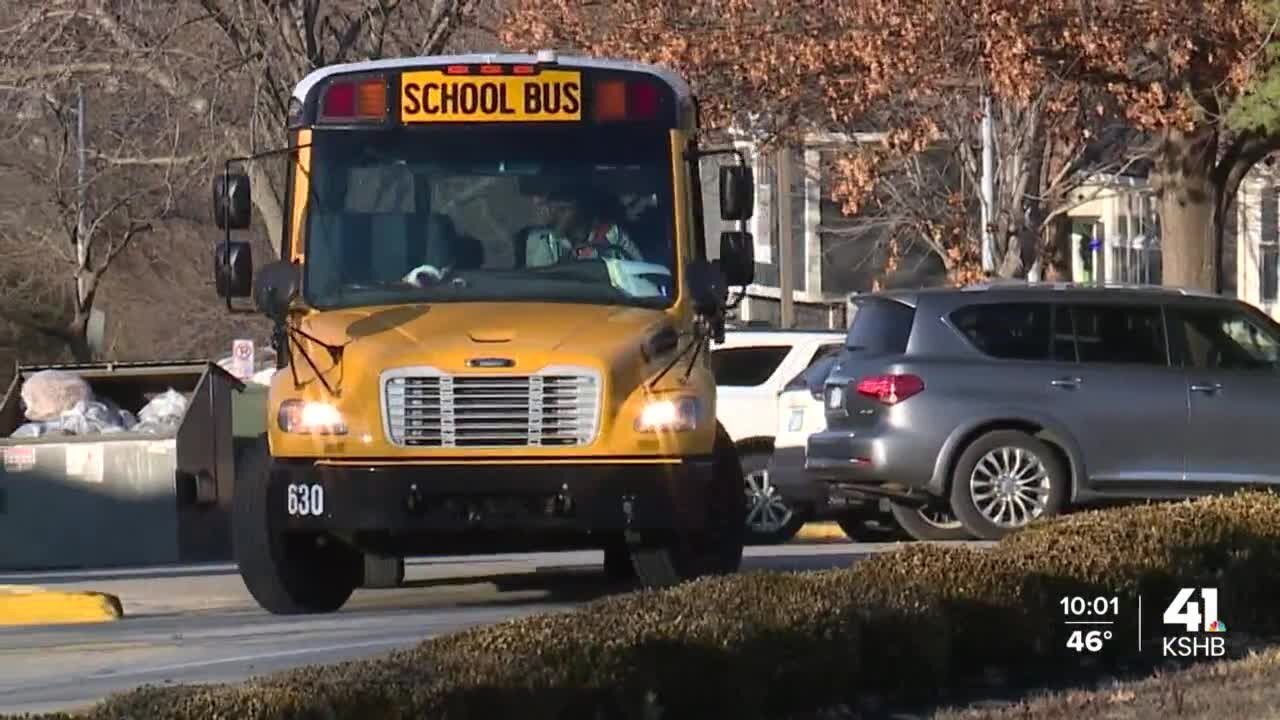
column 890, row 389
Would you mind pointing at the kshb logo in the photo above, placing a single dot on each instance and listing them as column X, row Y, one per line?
column 1185, row 611
column 1195, row 617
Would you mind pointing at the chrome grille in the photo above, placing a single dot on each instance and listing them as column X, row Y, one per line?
column 492, row 411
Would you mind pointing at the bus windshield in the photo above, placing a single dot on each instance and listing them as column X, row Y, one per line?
column 477, row 214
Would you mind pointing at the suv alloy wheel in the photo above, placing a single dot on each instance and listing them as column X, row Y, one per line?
column 1005, row 480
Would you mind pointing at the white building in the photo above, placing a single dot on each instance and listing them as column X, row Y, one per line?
column 1124, row 217
column 1114, row 227
column 1253, row 242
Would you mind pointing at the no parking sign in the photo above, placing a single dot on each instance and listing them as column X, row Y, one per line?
column 242, row 359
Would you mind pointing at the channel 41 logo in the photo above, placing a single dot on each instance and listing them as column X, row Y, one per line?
column 1195, row 617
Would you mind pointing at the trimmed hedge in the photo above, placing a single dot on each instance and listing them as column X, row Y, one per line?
column 904, row 624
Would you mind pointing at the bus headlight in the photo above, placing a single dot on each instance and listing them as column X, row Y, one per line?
column 670, row 415
column 311, row 418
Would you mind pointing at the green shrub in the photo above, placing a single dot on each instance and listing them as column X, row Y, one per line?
column 901, row 624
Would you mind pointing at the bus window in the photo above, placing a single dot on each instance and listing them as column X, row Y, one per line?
column 543, row 214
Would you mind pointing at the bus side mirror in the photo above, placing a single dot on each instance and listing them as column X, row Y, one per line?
column 231, row 201
column 737, row 193
column 233, row 269
column 707, row 288
column 737, row 257
column 277, row 285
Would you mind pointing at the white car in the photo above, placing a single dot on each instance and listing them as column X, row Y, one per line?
column 751, row 366
column 800, row 413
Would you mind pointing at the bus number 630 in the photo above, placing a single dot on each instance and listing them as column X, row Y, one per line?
column 305, row 499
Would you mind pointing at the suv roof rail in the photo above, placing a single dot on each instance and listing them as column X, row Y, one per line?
column 1015, row 283
column 774, row 329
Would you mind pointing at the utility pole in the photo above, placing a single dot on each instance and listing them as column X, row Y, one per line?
column 786, row 226
column 988, row 187
column 82, row 160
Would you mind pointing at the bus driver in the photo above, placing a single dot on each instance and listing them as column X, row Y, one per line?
column 584, row 223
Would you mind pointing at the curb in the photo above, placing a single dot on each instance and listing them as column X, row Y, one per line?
column 820, row 532
column 34, row 605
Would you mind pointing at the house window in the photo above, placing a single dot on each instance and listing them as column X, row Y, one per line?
column 1270, row 255
column 1268, row 246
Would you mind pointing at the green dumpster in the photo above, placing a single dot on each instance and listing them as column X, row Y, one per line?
column 124, row 498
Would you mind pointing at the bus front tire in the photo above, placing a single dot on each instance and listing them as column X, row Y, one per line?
column 286, row 573
column 717, row 548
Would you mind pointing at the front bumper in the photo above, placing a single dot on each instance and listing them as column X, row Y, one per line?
column 406, row 498
column 841, row 455
column 799, row 486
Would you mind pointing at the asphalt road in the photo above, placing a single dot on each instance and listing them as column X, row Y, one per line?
column 198, row 624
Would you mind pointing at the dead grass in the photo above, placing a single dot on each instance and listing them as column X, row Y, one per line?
column 1245, row 688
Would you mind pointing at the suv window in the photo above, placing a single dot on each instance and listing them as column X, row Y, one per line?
column 1227, row 339
column 819, row 367
column 1010, row 331
column 1123, row 334
column 824, row 351
column 747, row 366
column 881, row 325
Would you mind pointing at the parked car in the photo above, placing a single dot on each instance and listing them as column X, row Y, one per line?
column 751, row 367
column 1008, row 404
column 863, row 519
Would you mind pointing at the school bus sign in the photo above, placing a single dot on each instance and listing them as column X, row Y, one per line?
column 435, row 96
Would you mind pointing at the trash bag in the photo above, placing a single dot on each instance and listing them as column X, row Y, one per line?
column 92, row 418
column 263, row 377
column 163, row 414
column 38, row 429
column 47, row 394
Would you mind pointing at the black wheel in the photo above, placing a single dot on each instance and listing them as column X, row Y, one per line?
column 617, row 562
column 928, row 523
column 287, row 573
column 714, row 550
column 770, row 519
column 1005, row 480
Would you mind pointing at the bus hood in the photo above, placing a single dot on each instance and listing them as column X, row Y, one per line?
column 448, row 335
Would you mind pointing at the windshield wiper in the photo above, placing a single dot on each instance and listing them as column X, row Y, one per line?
column 702, row 332
column 335, row 355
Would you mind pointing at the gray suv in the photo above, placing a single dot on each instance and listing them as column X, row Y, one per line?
column 1009, row 403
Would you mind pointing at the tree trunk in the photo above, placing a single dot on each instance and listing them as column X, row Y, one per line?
column 1056, row 254
column 1186, row 194
column 78, row 337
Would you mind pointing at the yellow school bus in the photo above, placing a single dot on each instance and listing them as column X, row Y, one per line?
column 492, row 311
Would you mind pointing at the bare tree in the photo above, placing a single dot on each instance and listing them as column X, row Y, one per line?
column 73, row 208
column 274, row 45
column 174, row 87
column 930, row 199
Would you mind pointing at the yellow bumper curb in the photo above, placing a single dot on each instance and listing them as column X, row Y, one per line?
column 33, row 605
column 820, row 532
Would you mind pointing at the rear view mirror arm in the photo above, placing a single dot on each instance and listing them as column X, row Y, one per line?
column 693, row 156
column 226, row 178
